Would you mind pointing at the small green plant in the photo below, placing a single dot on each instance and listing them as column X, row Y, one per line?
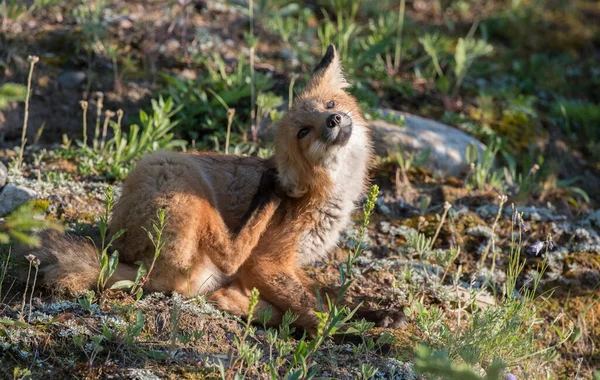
column 11, row 10
column 95, row 344
column 445, row 259
column 466, row 52
column 158, row 240
column 154, row 133
column 367, row 371
column 21, row 373
column 580, row 121
column 422, row 244
column 290, row 22
column 86, row 301
column 115, row 156
column 540, row 181
column 523, row 186
column 11, row 92
column 343, row 31
column 361, row 327
column 492, row 242
column 438, row 364
column 407, row 161
column 424, row 204
column 206, row 101
column 22, row 224
column 435, row 45
column 247, row 353
column 134, row 329
column 108, row 263
column 482, row 175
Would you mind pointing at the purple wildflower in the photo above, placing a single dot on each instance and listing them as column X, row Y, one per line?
column 537, row 247
column 514, row 217
column 523, row 226
column 550, row 245
column 510, row 376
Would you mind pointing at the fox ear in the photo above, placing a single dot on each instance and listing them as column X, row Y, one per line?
column 329, row 71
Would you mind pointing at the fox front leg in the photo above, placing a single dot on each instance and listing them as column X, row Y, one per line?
column 264, row 199
column 229, row 251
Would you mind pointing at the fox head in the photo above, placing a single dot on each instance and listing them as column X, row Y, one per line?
column 322, row 134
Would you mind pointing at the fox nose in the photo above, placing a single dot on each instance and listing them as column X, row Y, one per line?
column 334, row 120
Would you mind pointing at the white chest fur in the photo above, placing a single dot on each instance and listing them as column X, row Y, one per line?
column 334, row 213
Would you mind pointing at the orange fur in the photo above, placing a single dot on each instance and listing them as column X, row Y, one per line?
column 322, row 154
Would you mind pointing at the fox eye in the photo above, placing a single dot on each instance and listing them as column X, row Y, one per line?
column 303, row 132
column 330, row 104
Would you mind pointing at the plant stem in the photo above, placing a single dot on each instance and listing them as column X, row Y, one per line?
column 492, row 242
column 3, row 275
column 107, row 116
column 252, row 82
column 117, row 80
column 84, row 106
column 32, row 290
column 32, row 61
column 230, row 115
column 291, row 92
column 398, row 52
column 25, row 291
column 98, row 116
column 447, row 206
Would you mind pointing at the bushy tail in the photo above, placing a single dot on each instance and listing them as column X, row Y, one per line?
column 69, row 263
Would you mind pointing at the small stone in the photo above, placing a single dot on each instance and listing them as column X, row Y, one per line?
column 71, row 79
column 12, row 197
column 3, row 175
column 172, row 45
column 126, row 23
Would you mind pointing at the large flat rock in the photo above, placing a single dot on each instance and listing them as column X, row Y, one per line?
column 447, row 144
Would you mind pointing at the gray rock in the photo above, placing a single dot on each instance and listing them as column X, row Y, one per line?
column 71, row 79
column 447, row 144
column 12, row 197
column 3, row 175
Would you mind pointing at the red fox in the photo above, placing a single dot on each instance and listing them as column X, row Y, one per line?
column 235, row 223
